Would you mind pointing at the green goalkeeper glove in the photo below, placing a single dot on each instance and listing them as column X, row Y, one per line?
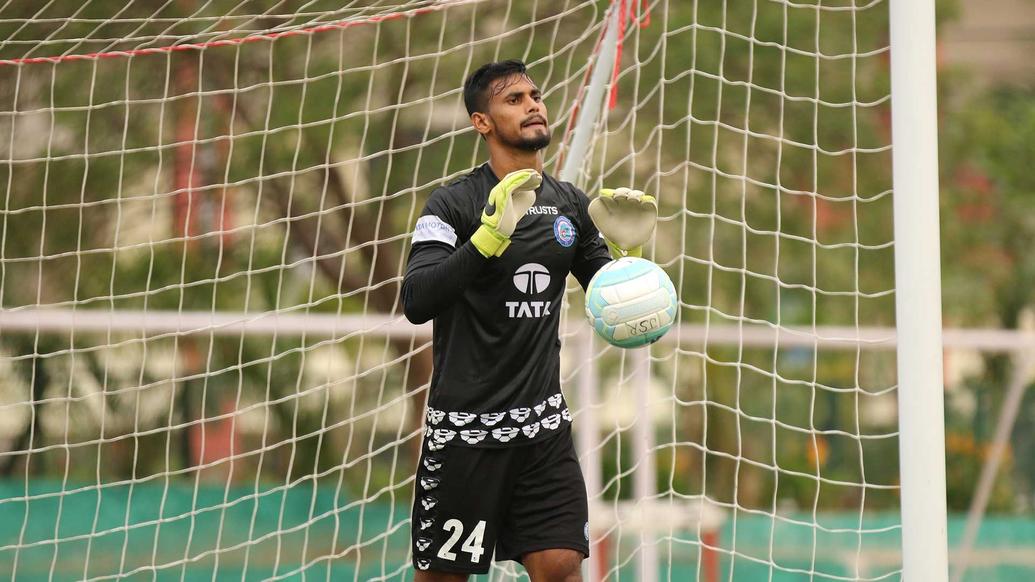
column 626, row 218
column 508, row 202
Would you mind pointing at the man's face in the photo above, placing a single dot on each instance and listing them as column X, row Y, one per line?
column 518, row 114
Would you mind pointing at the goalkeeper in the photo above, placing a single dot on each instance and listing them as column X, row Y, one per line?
column 490, row 253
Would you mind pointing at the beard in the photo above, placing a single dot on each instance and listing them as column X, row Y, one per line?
column 528, row 144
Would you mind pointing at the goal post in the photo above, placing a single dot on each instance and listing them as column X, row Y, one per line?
column 205, row 213
column 918, row 291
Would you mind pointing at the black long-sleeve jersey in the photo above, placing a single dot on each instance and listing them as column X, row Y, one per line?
column 496, row 349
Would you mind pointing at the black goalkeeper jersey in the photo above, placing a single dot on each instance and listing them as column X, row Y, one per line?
column 496, row 378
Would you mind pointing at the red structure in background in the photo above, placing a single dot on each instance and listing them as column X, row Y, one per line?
column 978, row 205
column 214, row 440
column 186, row 171
column 198, row 210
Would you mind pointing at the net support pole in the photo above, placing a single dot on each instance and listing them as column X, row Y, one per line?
column 589, row 109
column 918, row 291
column 644, row 485
column 587, row 437
column 1022, row 371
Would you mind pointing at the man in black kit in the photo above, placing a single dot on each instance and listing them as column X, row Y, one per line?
column 490, row 253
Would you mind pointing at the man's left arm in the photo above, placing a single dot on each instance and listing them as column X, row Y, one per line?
column 591, row 251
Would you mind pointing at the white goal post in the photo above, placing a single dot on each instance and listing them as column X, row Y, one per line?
column 205, row 212
column 918, row 291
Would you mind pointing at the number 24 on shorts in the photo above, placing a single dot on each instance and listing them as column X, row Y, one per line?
column 472, row 545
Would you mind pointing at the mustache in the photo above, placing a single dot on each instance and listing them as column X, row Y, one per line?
column 535, row 119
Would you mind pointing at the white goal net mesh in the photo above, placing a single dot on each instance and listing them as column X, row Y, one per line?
column 206, row 212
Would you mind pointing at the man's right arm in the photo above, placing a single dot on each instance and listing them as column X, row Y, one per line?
column 442, row 263
column 438, row 271
column 436, row 276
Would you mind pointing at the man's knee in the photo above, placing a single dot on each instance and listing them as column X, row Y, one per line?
column 556, row 565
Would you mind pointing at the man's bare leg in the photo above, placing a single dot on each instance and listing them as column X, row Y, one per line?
column 557, row 565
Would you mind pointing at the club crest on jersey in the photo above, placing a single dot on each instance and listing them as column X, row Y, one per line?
column 530, row 430
column 555, row 400
column 472, row 436
column 520, row 414
column 491, row 418
column 563, row 231
column 435, row 416
column 461, row 418
column 428, row 502
column 432, row 464
column 504, row 434
column 551, row 422
column 423, row 544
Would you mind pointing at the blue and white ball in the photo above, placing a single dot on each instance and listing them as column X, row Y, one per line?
column 631, row 302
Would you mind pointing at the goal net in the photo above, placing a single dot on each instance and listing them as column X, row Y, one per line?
column 206, row 212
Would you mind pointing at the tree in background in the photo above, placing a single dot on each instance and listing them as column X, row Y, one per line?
column 988, row 233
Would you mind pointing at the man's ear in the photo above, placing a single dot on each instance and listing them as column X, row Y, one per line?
column 481, row 122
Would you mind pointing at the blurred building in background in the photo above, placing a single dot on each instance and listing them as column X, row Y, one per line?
column 993, row 39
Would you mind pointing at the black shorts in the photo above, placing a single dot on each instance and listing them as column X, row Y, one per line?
column 470, row 502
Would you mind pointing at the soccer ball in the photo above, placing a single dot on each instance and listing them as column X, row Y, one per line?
column 631, row 302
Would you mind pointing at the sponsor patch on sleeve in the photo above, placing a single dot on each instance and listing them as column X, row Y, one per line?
column 432, row 228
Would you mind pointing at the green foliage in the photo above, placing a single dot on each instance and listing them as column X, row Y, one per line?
column 988, row 224
column 988, row 232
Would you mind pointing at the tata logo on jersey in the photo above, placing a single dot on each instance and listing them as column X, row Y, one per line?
column 530, row 279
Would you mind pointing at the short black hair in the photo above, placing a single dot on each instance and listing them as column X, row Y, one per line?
column 477, row 84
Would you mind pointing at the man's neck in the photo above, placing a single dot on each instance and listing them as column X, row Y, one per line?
column 504, row 161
